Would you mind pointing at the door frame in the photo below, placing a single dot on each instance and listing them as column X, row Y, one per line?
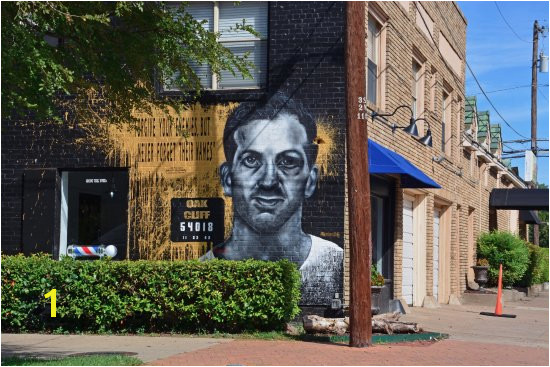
column 444, row 276
column 420, row 199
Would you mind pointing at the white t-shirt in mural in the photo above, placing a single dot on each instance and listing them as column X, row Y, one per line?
column 321, row 272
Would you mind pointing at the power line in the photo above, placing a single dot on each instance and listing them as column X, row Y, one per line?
column 542, row 93
column 523, row 156
column 524, row 140
column 512, row 88
column 491, row 102
column 469, row 68
column 509, row 26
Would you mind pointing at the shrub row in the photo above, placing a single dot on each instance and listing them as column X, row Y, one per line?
column 523, row 263
column 537, row 270
column 148, row 296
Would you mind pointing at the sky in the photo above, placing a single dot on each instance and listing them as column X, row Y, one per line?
column 500, row 57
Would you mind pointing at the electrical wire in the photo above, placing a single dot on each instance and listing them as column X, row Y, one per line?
column 542, row 93
column 491, row 102
column 509, row 26
column 468, row 65
column 512, row 88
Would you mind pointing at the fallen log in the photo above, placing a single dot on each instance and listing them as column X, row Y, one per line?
column 385, row 323
column 314, row 324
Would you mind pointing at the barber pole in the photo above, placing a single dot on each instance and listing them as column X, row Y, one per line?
column 75, row 251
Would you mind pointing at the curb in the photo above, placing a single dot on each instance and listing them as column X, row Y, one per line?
column 380, row 339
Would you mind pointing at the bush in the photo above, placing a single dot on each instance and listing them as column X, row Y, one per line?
column 544, row 267
column 504, row 247
column 537, row 270
column 148, row 296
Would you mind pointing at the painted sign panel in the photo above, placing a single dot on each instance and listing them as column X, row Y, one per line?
column 197, row 220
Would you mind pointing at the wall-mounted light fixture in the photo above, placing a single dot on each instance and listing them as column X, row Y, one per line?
column 411, row 129
column 426, row 139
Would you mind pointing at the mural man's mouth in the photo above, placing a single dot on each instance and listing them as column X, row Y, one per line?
column 268, row 202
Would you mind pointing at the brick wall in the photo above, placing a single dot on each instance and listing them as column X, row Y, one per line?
column 305, row 49
column 463, row 186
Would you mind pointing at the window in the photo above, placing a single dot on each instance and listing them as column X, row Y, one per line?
column 473, row 166
column 222, row 17
column 374, row 60
column 459, row 121
column 446, row 135
column 417, row 93
column 433, row 86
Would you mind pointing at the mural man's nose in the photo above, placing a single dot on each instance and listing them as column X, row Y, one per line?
column 270, row 178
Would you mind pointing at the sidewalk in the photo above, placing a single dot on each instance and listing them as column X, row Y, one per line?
column 474, row 340
column 289, row 353
column 529, row 328
column 146, row 348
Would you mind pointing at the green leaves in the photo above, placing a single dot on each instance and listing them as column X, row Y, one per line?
column 154, row 296
column 503, row 247
column 58, row 56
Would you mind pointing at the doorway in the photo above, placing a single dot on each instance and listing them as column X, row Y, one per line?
column 382, row 227
column 94, row 205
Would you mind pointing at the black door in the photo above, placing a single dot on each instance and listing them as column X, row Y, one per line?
column 97, row 204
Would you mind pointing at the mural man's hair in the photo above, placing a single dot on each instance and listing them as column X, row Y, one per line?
column 268, row 110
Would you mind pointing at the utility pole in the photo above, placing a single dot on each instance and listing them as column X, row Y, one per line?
column 358, row 179
column 534, row 71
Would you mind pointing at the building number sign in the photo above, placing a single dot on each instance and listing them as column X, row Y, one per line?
column 197, row 220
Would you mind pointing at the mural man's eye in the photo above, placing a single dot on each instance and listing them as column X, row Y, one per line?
column 289, row 162
column 251, row 161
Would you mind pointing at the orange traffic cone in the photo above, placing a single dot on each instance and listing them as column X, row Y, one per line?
column 498, row 307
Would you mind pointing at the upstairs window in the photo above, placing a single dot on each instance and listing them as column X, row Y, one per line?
column 417, row 92
column 373, row 60
column 446, row 132
column 222, row 17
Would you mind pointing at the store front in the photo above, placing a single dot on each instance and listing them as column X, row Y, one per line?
column 93, row 209
column 387, row 168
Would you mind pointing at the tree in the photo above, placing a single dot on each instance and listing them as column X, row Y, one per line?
column 70, row 55
column 543, row 228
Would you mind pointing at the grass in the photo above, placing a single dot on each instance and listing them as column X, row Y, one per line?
column 92, row 360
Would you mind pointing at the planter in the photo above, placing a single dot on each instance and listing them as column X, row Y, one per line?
column 480, row 273
column 375, row 292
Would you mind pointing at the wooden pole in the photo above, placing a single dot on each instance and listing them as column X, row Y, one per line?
column 358, row 179
column 534, row 82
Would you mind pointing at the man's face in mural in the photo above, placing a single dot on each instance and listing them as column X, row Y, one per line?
column 269, row 176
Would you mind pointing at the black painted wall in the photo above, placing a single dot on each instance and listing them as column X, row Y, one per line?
column 306, row 61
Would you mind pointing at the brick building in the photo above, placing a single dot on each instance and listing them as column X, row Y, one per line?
column 417, row 60
column 150, row 190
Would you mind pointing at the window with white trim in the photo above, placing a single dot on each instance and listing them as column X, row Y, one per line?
column 446, row 131
column 222, row 17
column 373, row 59
column 417, row 93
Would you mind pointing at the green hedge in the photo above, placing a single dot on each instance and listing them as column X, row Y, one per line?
column 537, row 271
column 148, row 296
column 504, row 247
column 545, row 265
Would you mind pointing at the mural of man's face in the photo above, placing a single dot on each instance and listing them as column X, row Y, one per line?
column 270, row 175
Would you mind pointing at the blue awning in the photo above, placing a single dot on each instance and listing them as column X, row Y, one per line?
column 384, row 161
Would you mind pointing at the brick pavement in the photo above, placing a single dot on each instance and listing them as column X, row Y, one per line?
column 293, row 353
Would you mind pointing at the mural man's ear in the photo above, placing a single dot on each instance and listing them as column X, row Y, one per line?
column 311, row 183
column 225, row 177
